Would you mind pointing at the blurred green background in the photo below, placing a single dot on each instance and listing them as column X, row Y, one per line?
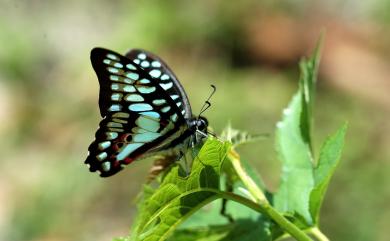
column 248, row 49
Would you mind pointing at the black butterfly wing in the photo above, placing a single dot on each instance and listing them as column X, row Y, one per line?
column 139, row 114
column 160, row 71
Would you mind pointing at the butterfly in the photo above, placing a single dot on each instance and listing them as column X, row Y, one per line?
column 145, row 111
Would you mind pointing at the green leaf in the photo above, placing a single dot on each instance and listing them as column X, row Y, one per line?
column 308, row 79
column 294, row 147
column 241, row 230
column 329, row 158
column 121, row 239
column 211, row 233
column 179, row 196
column 210, row 215
column 297, row 175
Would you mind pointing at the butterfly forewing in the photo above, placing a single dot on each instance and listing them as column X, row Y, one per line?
column 139, row 114
column 160, row 71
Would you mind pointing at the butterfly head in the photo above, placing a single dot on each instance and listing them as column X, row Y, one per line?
column 199, row 124
column 202, row 124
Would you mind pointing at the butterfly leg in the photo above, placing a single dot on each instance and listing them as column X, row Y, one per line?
column 229, row 188
column 201, row 133
column 189, row 145
column 193, row 142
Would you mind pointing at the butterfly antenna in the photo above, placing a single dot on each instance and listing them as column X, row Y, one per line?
column 207, row 104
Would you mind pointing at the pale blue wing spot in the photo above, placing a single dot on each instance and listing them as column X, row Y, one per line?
column 113, row 70
column 131, row 67
column 167, row 85
column 101, row 156
column 104, row 145
column 114, row 124
column 128, row 81
column 146, row 90
column 106, row 166
column 114, row 77
column 111, row 135
column 156, row 64
column 165, row 109
column 174, row 117
column 114, row 86
column 144, row 81
column 152, row 114
column 178, row 104
column 121, row 115
column 146, row 137
column 127, row 150
column 155, row 73
column 145, row 64
column 140, row 107
column 132, row 75
column 134, row 97
column 147, row 123
column 128, row 88
column 183, row 112
column 113, row 57
column 118, row 65
column 164, row 77
column 142, row 56
column 137, row 61
column 159, row 102
column 116, row 97
column 107, row 61
column 115, row 108
column 174, row 97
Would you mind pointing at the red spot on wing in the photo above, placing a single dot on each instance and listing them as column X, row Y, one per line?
column 128, row 160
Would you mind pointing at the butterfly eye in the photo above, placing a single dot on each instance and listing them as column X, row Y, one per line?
column 202, row 123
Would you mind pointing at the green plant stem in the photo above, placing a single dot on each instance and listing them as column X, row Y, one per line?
column 267, row 209
column 288, row 226
column 263, row 204
column 316, row 232
column 256, row 192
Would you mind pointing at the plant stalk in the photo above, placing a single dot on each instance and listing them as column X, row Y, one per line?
column 256, row 192
column 316, row 232
column 263, row 204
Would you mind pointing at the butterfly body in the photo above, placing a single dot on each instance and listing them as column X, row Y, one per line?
column 144, row 108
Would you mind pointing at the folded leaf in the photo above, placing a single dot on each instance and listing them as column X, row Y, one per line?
column 294, row 147
column 297, row 173
column 329, row 158
column 178, row 196
column 241, row 230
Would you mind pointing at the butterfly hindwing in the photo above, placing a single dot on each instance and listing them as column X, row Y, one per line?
column 122, row 138
column 140, row 115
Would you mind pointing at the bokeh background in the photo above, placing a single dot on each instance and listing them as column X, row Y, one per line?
column 248, row 49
